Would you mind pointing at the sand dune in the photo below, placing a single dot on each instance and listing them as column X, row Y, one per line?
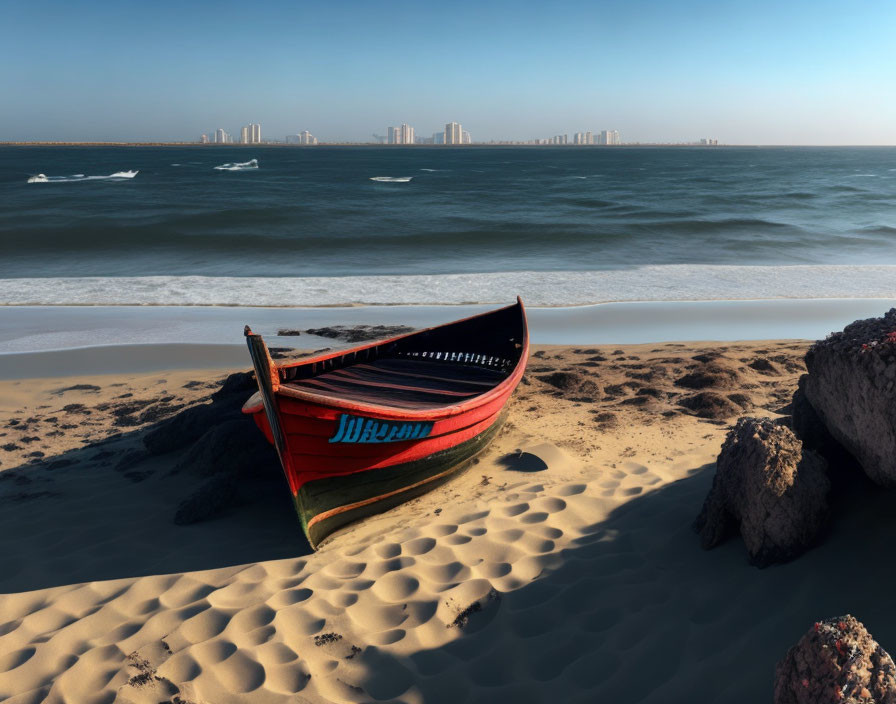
column 560, row 567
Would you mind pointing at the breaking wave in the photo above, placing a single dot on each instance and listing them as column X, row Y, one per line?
column 540, row 288
column 239, row 166
column 117, row 176
column 391, row 179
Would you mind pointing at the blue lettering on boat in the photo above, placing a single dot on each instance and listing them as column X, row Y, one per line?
column 371, row 430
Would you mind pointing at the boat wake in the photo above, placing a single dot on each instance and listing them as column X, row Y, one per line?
column 73, row 178
column 391, row 179
column 238, row 166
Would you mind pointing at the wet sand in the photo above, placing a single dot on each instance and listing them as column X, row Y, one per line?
column 561, row 566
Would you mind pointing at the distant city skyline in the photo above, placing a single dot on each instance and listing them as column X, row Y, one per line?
column 405, row 134
column 761, row 73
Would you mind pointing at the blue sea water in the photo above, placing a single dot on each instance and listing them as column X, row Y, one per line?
column 328, row 225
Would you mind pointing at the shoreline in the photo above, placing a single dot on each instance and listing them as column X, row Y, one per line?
column 140, row 339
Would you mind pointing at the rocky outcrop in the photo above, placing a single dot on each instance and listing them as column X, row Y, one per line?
column 837, row 661
column 808, row 427
column 573, row 385
column 852, row 387
column 769, row 489
column 223, row 447
column 188, row 426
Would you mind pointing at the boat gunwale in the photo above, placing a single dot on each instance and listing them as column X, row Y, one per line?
column 377, row 343
column 385, row 411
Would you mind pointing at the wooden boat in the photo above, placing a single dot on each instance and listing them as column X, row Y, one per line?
column 365, row 429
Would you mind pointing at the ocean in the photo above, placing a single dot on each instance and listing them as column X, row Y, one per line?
column 342, row 225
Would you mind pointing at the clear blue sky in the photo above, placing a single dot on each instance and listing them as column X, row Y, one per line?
column 806, row 72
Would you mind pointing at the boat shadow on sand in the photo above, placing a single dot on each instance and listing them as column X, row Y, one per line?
column 113, row 508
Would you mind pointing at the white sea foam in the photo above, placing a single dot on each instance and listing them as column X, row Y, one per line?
column 541, row 288
column 239, row 166
column 73, row 178
column 391, row 179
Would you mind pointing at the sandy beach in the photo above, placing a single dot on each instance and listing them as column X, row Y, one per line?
column 561, row 566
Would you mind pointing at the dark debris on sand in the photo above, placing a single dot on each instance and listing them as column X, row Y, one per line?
column 359, row 333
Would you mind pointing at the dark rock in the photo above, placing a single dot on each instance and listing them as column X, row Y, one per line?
column 836, row 662
column 189, row 425
column 287, row 332
column 708, row 404
column 571, row 383
column 360, row 333
column 606, row 420
column 326, row 638
column 770, row 489
column 158, row 411
column 279, row 353
column 711, row 375
column 761, row 364
column 209, row 500
column 77, row 387
column 239, row 383
column 130, row 458
column 741, row 400
column 809, row 427
column 186, row 427
column 228, row 448
column 126, row 413
column 640, row 401
column 852, row 387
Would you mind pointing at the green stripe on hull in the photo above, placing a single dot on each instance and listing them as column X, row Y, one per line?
column 332, row 493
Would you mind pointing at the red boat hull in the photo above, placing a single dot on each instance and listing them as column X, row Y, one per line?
column 345, row 459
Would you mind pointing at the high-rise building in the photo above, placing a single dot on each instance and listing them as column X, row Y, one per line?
column 307, row 138
column 454, row 133
column 244, row 135
column 438, row 138
column 609, row 137
column 589, row 138
column 220, row 136
column 203, row 139
column 466, row 138
column 254, row 133
column 401, row 135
